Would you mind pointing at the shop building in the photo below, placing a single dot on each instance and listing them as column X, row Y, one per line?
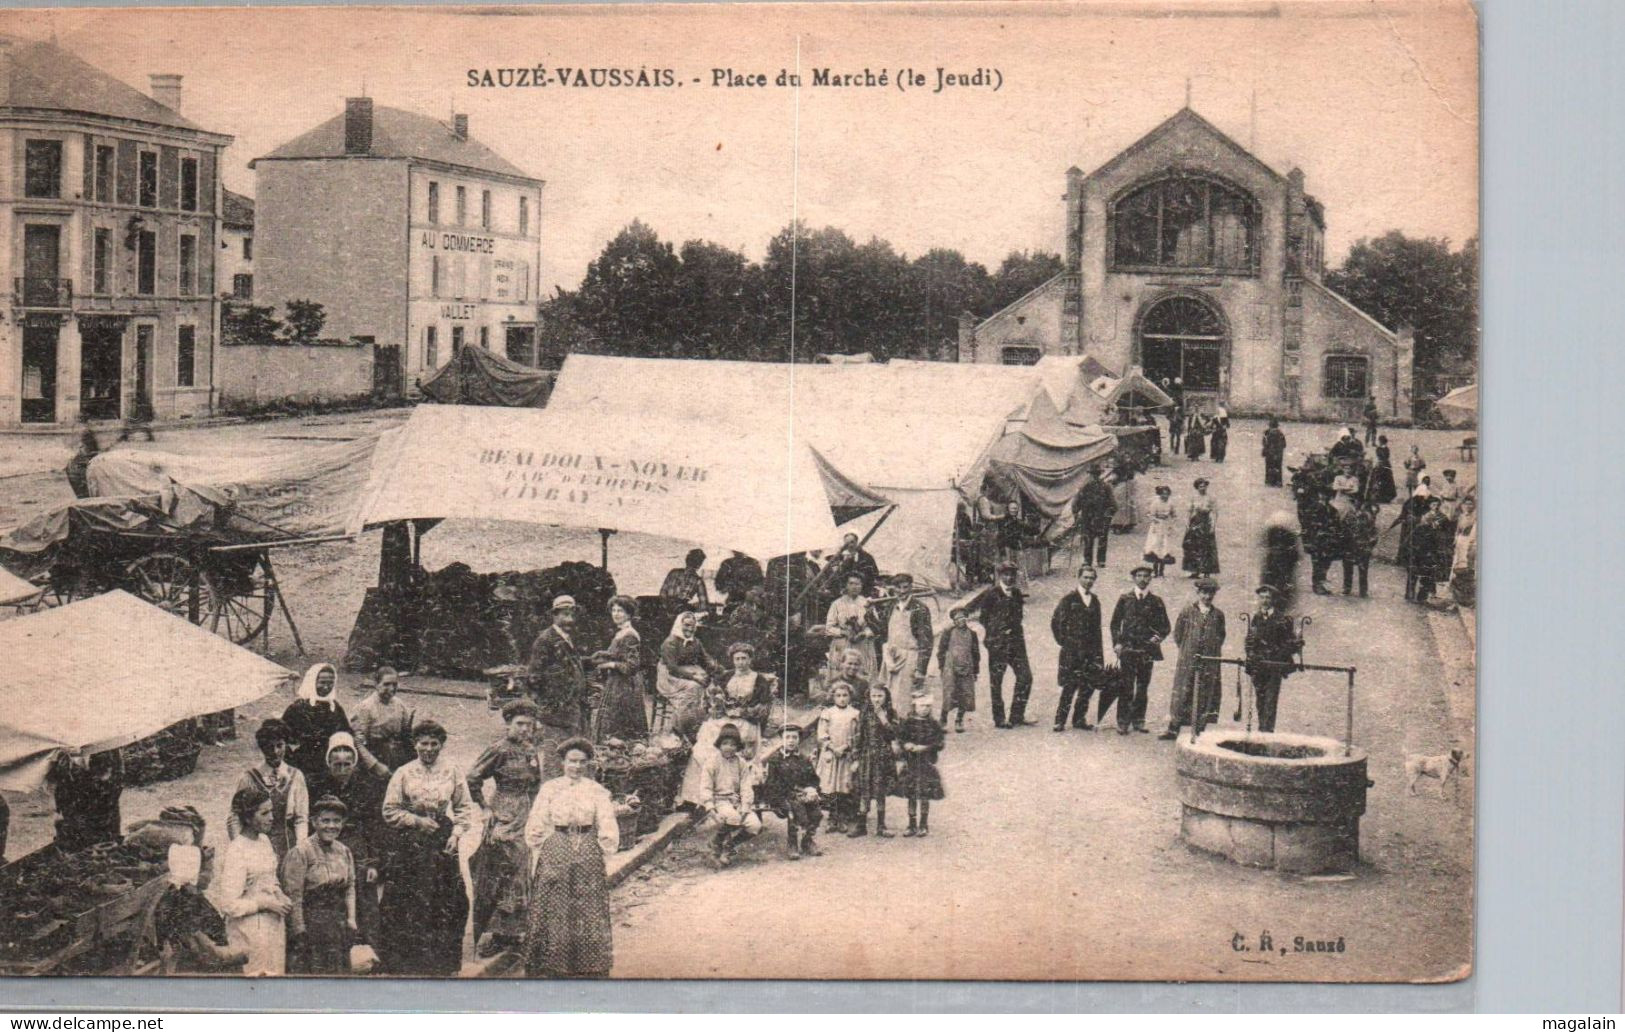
column 415, row 237
column 110, row 203
column 1189, row 257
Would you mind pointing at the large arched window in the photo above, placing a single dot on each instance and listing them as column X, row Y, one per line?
column 1186, row 222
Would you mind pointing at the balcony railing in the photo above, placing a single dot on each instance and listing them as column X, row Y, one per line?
column 43, row 292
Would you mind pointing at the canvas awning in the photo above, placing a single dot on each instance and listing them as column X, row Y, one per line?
column 638, row 472
column 291, row 492
column 107, row 671
column 475, row 376
column 14, row 589
column 1460, row 406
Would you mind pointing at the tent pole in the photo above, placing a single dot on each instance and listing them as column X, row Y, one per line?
column 823, row 574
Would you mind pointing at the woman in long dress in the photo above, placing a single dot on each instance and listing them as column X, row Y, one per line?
column 620, row 669
column 425, row 904
column 1380, row 486
column 501, row 866
column 1195, row 434
column 684, row 675
column 1219, row 443
column 849, row 628
column 312, row 719
column 1201, row 545
column 1159, row 540
column 248, row 894
column 572, row 833
column 318, row 875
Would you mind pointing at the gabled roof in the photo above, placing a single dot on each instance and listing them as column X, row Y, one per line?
column 399, row 134
column 46, row 77
column 1184, row 117
column 239, row 211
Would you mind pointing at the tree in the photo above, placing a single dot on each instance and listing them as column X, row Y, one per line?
column 944, row 285
column 304, row 322
column 1421, row 283
column 629, row 294
column 711, row 317
column 242, row 324
column 1020, row 273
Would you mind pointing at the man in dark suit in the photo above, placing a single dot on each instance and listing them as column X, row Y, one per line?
column 1272, row 648
column 558, row 684
column 1092, row 510
column 853, row 559
column 1139, row 623
column 1076, row 627
column 1000, row 610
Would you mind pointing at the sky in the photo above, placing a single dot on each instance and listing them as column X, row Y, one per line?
column 1377, row 103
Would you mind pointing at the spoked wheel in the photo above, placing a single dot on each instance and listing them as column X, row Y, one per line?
column 169, row 581
column 235, row 603
column 62, row 588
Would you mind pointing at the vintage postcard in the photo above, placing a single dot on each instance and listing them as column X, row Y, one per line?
column 874, row 491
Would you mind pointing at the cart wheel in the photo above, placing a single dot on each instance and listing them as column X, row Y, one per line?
column 167, row 580
column 238, row 615
column 62, row 589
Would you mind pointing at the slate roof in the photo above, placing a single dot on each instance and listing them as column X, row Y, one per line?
column 46, row 77
column 239, row 211
column 399, row 134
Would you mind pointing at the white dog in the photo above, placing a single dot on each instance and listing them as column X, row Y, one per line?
column 1442, row 768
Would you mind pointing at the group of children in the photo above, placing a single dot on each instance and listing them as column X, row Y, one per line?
column 864, row 756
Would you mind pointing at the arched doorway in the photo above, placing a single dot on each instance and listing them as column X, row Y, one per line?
column 1184, row 337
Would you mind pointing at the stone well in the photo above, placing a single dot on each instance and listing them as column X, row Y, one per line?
column 1282, row 801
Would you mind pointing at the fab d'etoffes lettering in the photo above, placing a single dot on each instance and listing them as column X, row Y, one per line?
column 585, row 470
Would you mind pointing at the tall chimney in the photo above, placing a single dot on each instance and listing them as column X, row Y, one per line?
column 358, row 125
column 166, row 90
column 459, row 126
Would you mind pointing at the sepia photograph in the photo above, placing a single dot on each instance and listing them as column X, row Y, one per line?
column 888, row 491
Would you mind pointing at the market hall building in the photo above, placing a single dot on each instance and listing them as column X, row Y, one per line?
column 110, row 202
column 415, row 237
column 1191, row 258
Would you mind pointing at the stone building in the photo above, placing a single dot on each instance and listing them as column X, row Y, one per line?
column 110, row 203
column 235, row 268
column 1191, row 258
column 415, row 237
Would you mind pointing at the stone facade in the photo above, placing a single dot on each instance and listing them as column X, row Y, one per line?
column 1189, row 257
column 110, row 202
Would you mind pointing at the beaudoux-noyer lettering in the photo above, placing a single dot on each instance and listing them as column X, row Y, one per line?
column 587, row 461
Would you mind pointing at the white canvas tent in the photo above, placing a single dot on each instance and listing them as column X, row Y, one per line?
column 629, row 471
column 14, row 589
column 107, row 671
column 1460, row 406
column 917, row 433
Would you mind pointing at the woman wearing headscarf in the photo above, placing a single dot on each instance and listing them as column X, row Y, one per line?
column 283, row 784
column 249, row 894
column 620, row 670
column 1410, row 514
column 500, row 867
column 312, row 719
column 1201, row 544
column 318, row 876
column 362, row 794
column 684, row 675
column 187, row 926
column 572, row 833
column 425, row 904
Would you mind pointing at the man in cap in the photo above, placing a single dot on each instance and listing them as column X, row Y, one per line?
column 1271, row 649
column 1372, row 416
column 1139, row 623
column 558, row 684
column 1092, row 510
column 1198, row 632
column 1076, row 625
column 1274, row 453
column 1000, row 609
